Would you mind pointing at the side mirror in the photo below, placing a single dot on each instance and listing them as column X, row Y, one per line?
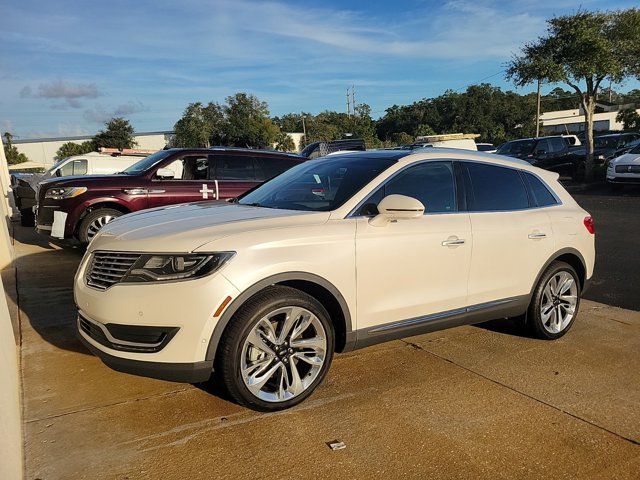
column 397, row 207
column 165, row 173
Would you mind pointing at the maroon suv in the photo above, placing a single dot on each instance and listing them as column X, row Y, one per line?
column 79, row 206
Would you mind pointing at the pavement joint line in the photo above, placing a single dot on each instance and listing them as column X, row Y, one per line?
column 497, row 382
column 107, row 405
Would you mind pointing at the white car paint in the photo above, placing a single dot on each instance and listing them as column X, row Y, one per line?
column 628, row 175
column 384, row 271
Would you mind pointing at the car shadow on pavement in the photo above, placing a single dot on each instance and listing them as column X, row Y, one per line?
column 506, row 326
column 44, row 290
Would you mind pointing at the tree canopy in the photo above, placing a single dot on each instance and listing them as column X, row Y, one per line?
column 582, row 50
column 11, row 152
column 118, row 133
column 71, row 149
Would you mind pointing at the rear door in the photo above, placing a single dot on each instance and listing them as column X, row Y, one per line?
column 233, row 174
column 512, row 238
column 269, row 167
column 191, row 181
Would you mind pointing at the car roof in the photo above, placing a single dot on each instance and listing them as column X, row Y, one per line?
column 369, row 154
column 262, row 151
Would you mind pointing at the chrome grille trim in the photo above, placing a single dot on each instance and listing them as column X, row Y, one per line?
column 108, row 268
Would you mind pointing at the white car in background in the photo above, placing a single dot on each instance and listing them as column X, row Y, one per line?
column 625, row 169
column 335, row 254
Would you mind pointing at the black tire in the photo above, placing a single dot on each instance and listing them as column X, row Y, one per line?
column 27, row 218
column 534, row 317
column 84, row 233
column 228, row 362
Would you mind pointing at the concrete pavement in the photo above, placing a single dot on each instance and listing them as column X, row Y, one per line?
column 469, row 402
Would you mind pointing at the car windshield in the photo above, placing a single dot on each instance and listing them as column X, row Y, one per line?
column 606, row 142
column 318, row 185
column 636, row 148
column 54, row 166
column 146, row 163
column 517, row 147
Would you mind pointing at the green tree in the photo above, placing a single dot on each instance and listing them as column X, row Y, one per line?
column 248, row 123
column 11, row 152
column 629, row 118
column 200, row 126
column 70, row 149
column 284, row 142
column 582, row 50
column 118, row 133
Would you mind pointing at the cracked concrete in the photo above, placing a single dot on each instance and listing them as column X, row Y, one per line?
column 463, row 403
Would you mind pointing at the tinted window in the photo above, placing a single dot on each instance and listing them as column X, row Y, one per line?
column 74, row 167
column 542, row 147
column 147, row 162
column 273, row 166
column 495, row 188
column 557, row 144
column 430, row 182
column 318, row 185
column 235, row 167
column 517, row 147
column 542, row 196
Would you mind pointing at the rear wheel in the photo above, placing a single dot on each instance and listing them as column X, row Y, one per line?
column 94, row 221
column 277, row 349
column 555, row 302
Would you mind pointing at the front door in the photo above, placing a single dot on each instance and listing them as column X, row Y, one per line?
column 190, row 183
column 414, row 268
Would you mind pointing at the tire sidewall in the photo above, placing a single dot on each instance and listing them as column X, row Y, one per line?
column 250, row 319
column 535, row 319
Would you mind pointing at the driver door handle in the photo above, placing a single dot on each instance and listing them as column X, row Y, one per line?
column 453, row 241
column 537, row 235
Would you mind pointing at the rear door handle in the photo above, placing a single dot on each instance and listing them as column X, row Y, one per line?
column 537, row 235
column 453, row 241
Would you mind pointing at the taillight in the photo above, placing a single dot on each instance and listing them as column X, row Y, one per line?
column 590, row 224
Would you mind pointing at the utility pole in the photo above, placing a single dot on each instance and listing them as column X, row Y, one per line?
column 610, row 92
column 304, row 129
column 353, row 98
column 348, row 105
column 538, row 111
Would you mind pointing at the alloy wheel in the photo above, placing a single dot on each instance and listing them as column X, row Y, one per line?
column 283, row 354
column 559, row 301
column 97, row 224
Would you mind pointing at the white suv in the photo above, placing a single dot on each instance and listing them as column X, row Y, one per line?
column 335, row 254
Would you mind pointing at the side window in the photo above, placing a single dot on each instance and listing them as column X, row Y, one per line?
column 191, row 167
column 556, row 144
column 235, row 167
column 74, row 167
column 495, row 188
column 430, row 182
column 273, row 166
column 542, row 147
column 542, row 196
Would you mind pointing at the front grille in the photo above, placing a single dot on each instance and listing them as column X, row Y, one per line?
column 627, row 168
column 108, row 268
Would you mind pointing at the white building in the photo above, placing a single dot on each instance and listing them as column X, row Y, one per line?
column 41, row 152
column 572, row 121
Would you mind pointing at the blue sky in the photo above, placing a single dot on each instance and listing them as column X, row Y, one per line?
column 66, row 66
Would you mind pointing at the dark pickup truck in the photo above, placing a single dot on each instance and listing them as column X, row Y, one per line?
column 79, row 206
column 551, row 153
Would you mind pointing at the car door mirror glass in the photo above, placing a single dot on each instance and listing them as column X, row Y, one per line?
column 397, row 207
column 165, row 173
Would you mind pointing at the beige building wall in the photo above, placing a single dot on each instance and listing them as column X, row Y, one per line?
column 560, row 121
column 11, row 466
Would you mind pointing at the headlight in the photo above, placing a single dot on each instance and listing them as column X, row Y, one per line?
column 60, row 193
column 162, row 268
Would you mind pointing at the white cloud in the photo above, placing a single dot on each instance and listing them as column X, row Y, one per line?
column 100, row 114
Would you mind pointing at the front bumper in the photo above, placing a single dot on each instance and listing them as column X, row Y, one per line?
column 174, row 372
column 184, row 311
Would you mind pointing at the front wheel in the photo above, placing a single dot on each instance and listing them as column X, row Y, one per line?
column 276, row 350
column 555, row 302
column 94, row 221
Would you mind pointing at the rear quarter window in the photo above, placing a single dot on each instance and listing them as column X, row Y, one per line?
column 271, row 167
column 541, row 193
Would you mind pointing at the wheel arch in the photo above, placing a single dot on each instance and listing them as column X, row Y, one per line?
column 568, row 255
column 102, row 203
column 319, row 288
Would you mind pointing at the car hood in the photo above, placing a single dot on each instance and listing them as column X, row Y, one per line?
column 627, row 159
column 185, row 227
column 88, row 180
